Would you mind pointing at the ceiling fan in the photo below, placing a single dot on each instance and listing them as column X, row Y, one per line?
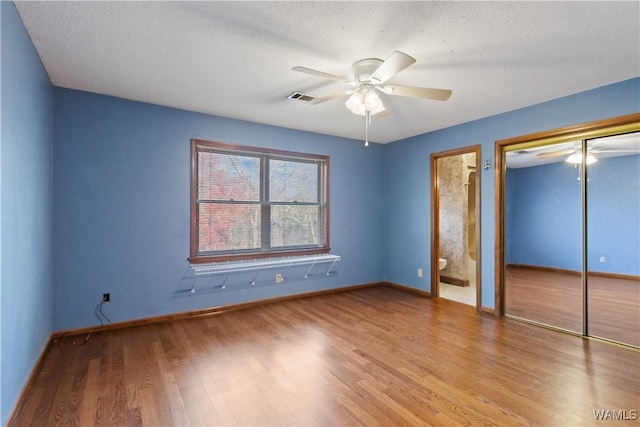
column 575, row 154
column 369, row 76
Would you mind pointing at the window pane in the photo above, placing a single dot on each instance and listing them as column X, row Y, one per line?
column 249, row 202
column 228, row 177
column 223, row 227
column 295, row 225
column 291, row 181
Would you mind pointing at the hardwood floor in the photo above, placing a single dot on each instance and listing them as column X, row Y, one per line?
column 555, row 298
column 375, row 356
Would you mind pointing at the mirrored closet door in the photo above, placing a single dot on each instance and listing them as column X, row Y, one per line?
column 543, row 235
column 613, row 237
column 569, row 243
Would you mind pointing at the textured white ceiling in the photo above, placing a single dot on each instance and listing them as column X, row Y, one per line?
column 234, row 59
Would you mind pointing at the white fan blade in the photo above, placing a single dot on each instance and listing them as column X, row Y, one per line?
column 397, row 62
column 382, row 114
column 328, row 97
column 558, row 153
column 604, row 150
column 321, row 74
column 418, row 92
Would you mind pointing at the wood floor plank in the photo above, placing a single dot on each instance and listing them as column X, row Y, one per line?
column 134, row 417
column 169, row 384
column 375, row 356
column 116, row 383
column 555, row 298
column 87, row 408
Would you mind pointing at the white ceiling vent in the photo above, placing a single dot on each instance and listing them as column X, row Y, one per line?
column 299, row 96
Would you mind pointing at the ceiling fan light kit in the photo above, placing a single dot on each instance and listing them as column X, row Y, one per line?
column 363, row 100
column 576, row 158
column 368, row 76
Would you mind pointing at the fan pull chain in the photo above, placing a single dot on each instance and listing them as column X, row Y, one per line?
column 367, row 121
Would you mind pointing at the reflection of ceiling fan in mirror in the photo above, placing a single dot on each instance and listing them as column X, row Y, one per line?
column 571, row 151
column 574, row 153
column 369, row 76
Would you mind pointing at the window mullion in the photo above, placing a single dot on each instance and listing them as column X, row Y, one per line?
column 265, row 211
column 321, row 199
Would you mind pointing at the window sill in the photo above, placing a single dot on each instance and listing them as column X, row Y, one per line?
column 262, row 264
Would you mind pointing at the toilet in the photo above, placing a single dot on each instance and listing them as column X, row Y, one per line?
column 442, row 263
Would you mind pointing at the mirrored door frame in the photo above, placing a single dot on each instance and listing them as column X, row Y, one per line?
column 585, row 131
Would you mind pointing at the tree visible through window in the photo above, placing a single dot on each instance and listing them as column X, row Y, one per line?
column 250, row 203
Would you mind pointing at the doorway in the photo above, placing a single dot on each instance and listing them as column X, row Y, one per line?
column 567, row 229
column 455, row 214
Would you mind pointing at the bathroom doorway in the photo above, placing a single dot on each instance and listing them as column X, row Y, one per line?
column 455, row 190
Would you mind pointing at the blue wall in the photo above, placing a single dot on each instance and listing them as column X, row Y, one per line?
column 613, row 215
column 407, row 207
column 121, row 215
column 26, row 207
column 544, row 225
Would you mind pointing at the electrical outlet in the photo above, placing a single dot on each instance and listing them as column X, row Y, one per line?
column 106, row 297
column 279, row 278
column 419, row 272
column 603, row 259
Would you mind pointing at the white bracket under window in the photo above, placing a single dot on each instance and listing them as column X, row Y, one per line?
column 263, row 264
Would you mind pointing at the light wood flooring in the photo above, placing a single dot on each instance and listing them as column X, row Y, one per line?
column 374, row 356
column 555, row 298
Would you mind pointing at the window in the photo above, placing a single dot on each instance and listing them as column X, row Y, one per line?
column 251, row 203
